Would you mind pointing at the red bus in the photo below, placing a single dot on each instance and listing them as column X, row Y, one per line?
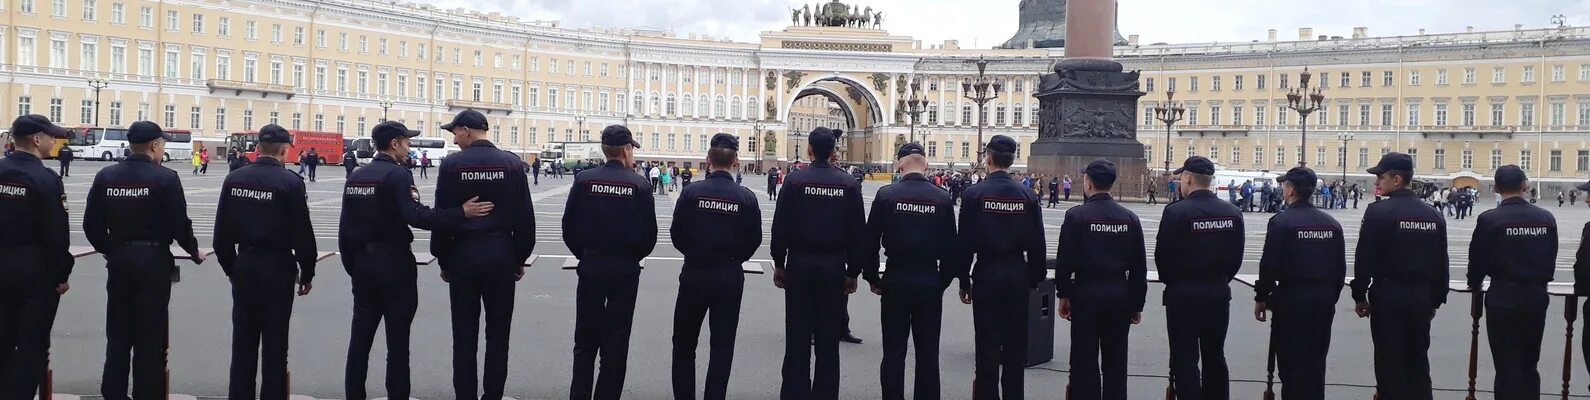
column 327, row 144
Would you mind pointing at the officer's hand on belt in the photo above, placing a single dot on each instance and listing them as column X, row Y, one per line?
column 1362, row 308
column 304, row 287
column 62, row 288
column 1261, row 311
column 850, row 285
column 476, row 209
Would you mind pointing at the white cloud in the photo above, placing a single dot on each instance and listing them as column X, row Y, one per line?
column 986, row 23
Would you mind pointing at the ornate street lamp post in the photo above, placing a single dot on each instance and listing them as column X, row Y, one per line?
column 1169, row 113
column 579, row 121
column 981, row 90
column 1345, row 137
column 1305, row 102
column 914, row 106
column 97, row 84
column 385, row 105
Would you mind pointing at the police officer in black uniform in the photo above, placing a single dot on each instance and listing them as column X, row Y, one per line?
column 136, row 209
column 1516, row 245
column 1199, row 252
column 1300, row 277
column 262, row 230
column 610, row 224
column 1100, row 274
column 379, row 204
column 1400, row 276
column 717, row 227
column 33, row 212
column 818, row 228
column 914, row 222
column 1001, row 226
column 482, row 259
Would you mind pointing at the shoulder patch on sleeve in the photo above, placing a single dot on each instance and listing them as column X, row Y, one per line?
column 414, row 192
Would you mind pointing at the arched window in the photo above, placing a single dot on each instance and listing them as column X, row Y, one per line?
column 719, row 108
column 932, row 114
column 640, row 103
column 755, row 110
column 673, row 105
column 689, row 106
column 655, row 104
column 1019, row 112
column 735, row 109
column 701, row 107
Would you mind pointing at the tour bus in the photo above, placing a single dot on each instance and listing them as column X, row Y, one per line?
column 436, row 148
column 363, row 149
column 327, row 144
column 106, row 144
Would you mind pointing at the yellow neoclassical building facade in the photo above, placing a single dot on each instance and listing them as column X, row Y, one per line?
column 1463, row 102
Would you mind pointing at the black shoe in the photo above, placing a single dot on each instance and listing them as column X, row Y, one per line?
column 849, row 338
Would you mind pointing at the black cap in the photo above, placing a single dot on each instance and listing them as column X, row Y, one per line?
column 1510, row 176
column 468, row 119
column 386, row 131
column 823, row 138
column 1002, row 144
column 1299, row 176
column 909, row 149
column 34, row 123
column 145, row 131
column 725, row 141
column 1197, row 165
column 1100, row 171
column 618, row 135
column 1393, row 162
column 274, row 134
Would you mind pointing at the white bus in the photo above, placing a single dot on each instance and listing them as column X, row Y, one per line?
column 435, row 148
column 107, row 144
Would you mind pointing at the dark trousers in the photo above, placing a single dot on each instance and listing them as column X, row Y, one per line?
column 27, row 313
column 1301, row 337
column 913, row 303
column 537, row 175
column 481, row 274
column 1100, row 322
column 1151, row 198
column 814, row 306
column 136, row 321
column 772, row 191
column 66, row 168
column 262, row 305
column 204, row 168
column 604, row 313
column 718, row 290
column 312, row 172
column 384, row 288
column 1515, row 319
column 999, row 321
column 1068, row 194
column 1197, row 329
column 1399, row 323
column 348, row 167
column 425, row 171
column 1054, row 198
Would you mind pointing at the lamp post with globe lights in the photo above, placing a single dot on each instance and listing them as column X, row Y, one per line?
column 1169, row 113
column 1305, row 101
column 981, row 90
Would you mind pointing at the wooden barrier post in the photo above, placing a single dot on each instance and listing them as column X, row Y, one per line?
column 1477, row 311
column 1571, row 313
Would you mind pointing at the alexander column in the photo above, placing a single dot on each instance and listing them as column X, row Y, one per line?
column 1088, row 105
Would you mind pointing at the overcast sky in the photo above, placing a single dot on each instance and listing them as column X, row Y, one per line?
column 986, row 23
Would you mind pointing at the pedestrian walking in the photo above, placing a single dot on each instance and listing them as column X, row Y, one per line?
column 425, row 164
column 303, row 167
column 1300, row 278
column 712, row 280
column 266, row 245
column 1066, row 185
column 1054, row 192
column 1100, row 280
column 772, row 183
column 535, row 172
column 204, row 161
column 1198, row 251
column 481, row 261
column 1400, row 277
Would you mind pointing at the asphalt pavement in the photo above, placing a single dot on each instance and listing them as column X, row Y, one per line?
column 544, row 316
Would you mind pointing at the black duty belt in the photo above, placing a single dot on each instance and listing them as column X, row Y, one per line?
column 149, row 243
column 378, row 246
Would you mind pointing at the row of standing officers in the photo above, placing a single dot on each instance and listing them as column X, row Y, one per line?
column 822, row 241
